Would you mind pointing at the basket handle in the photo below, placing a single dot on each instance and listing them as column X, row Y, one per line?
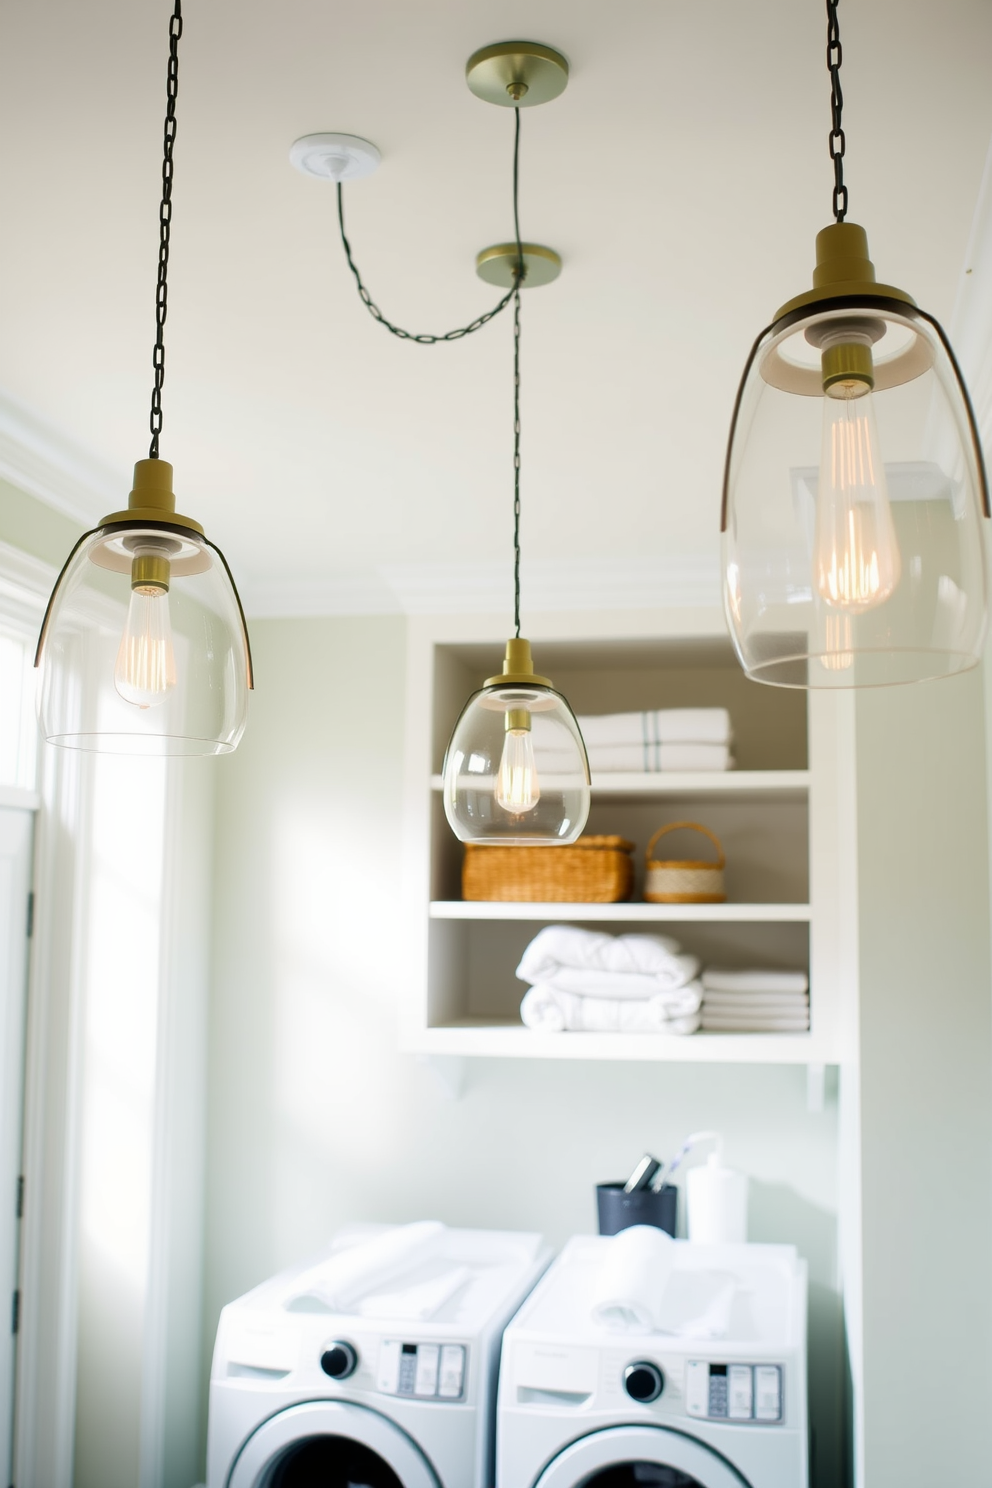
column 692, row 827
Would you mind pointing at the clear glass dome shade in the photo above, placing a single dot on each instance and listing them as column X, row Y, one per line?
column 853, row 544
column 144, row 648
column 515, row 771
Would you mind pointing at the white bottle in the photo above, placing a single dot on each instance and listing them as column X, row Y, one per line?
column 716, row 1203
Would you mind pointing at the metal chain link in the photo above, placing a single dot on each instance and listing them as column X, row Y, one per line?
column 425, row 338
column 835, row 56
column 165, row 227
column 516, row 455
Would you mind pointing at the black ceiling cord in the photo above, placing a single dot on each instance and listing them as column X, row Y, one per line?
column 425, row 338
column 835, row 56
column 165, row 228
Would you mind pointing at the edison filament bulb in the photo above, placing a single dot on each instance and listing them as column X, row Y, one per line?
column 517, row 788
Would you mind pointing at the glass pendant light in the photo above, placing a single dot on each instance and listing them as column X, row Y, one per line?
column 144, row 647
column 515, row 771
column 854, row 489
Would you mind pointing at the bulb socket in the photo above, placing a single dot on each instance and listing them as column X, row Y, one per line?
column 517, row 721
column 150, row 573
column 848, row 369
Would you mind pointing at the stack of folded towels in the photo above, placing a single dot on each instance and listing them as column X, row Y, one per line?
column 665, row 739
column 755, row 1002
column 584, row 981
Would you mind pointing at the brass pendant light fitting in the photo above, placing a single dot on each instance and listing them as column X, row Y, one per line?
column 517, row 74
column 865, row 567
column 158, row 705
column 498, row 265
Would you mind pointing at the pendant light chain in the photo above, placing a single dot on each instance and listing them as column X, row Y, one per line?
column 835, row 56
column 165, row 228
column 516, row 379
column 516, row 458
column 426, row 338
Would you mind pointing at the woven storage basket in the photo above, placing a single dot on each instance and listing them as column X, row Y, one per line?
column 594, row 870
column 684, row 880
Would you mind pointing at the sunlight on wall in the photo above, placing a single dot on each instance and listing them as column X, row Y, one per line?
column 122, row 976
column 18, row 728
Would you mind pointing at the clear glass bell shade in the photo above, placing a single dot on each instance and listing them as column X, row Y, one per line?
column 515, row 772
column 150, row 659
column 853, row 523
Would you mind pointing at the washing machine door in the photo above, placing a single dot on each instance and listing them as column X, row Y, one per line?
column 330, row 1444
column 639, row 1457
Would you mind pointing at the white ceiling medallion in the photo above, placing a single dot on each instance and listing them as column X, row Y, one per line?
column 334, row 157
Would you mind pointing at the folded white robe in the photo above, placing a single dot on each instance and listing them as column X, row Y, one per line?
column 565, row 948
column 660, row 726
column 754, row 1023
column 755, row 981
column 417, row 1303
column 547, row 1010
column 618, row 758
column 346, row 1276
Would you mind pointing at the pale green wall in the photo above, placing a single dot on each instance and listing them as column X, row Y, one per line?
column 926, row 1084
column 316, row 1120
column 35, row 528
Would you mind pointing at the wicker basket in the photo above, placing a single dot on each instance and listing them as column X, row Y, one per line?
column 594, row 870
column 684, row 881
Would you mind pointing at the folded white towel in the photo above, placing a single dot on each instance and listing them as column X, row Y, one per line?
column 754, row 1022
column 698, row 1304
column 619, row 758
column 344, row 1277
column 661, row 726
column 547, row 1010
column 557, row 948
column 417, row 1303
column 632, row 1278
column 755, row 981
column 756, row 1002
column 623, row 986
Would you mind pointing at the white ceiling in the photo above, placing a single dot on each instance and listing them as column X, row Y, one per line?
column 682, row 176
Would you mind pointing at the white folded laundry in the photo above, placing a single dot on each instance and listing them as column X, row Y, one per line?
column 698, row 1303
column 350, row 1274
column 660, row 726
column 419, row 1302
column 608, row 759
column 623, row 986
column 557, row 947
column 754, row 1023
column 756, row 1002
column 715, row 980
column 635, row 1270
column 547, row 1010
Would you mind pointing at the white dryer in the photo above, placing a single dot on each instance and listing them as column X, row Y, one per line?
column 581, row 1407
column 374, row 1367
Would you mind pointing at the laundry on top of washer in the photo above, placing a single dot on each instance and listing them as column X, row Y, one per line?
column 713, row 1396
column 374, row 1365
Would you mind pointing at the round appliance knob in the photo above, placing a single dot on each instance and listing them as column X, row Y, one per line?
column 643, row 1381
column 339, row 1360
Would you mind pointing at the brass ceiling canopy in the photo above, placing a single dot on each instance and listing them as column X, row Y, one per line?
column 497, row 265
column 517, row 74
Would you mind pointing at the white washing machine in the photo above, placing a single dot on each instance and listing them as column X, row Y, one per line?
column 582, row 1407
column 373, row 1368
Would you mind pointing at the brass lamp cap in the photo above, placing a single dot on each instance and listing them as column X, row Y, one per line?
column 152, row 499
column 518, row 667
column 843, row 269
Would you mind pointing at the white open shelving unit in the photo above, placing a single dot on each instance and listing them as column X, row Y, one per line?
column 782, row 817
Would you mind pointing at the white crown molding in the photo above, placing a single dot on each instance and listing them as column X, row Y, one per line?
column 41, row 461
column 687, row 581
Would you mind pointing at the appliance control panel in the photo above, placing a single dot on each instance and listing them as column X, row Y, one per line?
column 422, row 1371
column 734, row 1392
